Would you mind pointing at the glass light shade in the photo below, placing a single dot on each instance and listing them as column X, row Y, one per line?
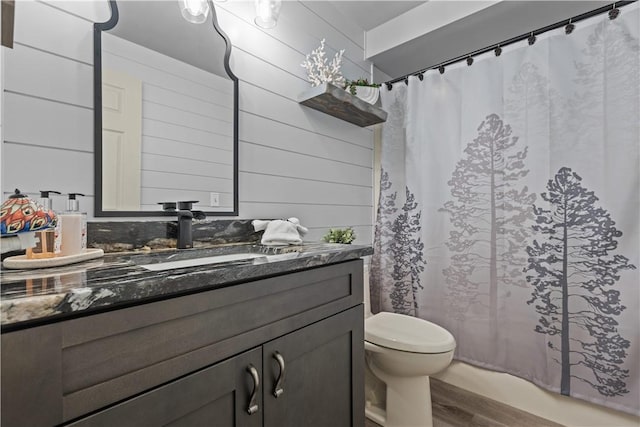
column 267, row 12
column 194, row 11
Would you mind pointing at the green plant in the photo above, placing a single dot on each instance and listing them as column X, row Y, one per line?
column 338, row 235
column 351, row 85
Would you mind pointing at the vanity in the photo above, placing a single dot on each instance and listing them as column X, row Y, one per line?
column 273, row 340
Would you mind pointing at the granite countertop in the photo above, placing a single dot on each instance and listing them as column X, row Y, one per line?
column 35, row 297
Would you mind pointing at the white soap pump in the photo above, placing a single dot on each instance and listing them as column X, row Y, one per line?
column 49, row 240
column 73, row 225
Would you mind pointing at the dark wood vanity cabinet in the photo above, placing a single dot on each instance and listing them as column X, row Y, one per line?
column 194, row 360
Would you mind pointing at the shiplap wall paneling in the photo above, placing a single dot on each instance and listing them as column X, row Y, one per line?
column 60, row 125
column 302, row 166
column 179, row 182
column 294, row 161
column 222, row 159
column 61, row 28
column 152, row 195
column 31, row 168
column 48, row 138
column 35, row 72
column 338, row 20
column 256, row 128
column 215, row 121
column 301, row 156
column 273, row 79
column 175, row 74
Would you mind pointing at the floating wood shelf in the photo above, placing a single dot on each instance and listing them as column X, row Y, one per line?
column 339, row 103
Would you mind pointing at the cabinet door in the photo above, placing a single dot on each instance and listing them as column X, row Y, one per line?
column 215, row 396
column 323, row 381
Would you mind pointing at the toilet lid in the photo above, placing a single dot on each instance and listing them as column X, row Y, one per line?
column 407, row 333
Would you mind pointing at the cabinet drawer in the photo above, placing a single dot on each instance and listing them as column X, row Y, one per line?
column 97, row 360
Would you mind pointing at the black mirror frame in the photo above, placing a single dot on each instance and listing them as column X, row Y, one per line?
column 98, row 28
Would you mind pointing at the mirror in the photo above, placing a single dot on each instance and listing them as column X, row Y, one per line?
column 165, row 110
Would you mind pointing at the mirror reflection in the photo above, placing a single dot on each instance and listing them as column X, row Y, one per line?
column 168, row 110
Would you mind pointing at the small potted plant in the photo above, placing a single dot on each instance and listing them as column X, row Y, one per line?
column 339, row 235
column 364, row 90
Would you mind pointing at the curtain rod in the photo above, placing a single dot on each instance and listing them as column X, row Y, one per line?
column 530, row 35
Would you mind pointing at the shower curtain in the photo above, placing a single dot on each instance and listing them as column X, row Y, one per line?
column 509, row 208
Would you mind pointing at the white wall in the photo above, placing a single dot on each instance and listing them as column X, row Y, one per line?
column 294, row 161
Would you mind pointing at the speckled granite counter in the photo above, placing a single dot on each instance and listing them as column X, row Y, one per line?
column 35, row 297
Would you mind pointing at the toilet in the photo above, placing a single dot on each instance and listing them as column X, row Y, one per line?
column 401, row 353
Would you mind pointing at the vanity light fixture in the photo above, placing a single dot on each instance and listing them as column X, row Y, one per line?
column 267, row 12
column 194, row 11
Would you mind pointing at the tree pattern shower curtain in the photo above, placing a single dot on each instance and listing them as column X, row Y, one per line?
column 509, row 208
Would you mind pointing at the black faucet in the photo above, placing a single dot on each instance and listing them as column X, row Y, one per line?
column 185, row 217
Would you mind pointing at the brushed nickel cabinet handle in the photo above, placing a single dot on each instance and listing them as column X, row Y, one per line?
column 253, row 406
column 278, row 390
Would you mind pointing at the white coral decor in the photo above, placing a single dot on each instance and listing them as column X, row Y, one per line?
column 319, row 71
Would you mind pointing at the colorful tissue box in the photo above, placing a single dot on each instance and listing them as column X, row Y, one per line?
column 21, row 214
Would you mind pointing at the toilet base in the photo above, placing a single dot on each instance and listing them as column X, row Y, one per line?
column 408, row 401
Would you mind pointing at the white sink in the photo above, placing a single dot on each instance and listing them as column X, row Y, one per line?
column 195, row 262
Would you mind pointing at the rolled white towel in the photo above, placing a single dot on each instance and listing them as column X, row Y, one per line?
column 280, row 232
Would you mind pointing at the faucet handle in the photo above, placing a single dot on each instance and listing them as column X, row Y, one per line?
column 186, row 205
column 168, row 206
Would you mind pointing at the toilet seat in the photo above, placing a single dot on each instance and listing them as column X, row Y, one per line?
column 406, row 333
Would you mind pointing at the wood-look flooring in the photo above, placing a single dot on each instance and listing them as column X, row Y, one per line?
column 456, row 407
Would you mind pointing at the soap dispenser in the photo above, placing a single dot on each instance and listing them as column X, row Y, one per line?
column 48, row 241
column 73, row 227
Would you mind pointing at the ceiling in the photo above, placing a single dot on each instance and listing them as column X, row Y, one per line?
column 402, row 37
column 370, row 14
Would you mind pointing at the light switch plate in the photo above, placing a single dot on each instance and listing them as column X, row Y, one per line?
column 215, row 199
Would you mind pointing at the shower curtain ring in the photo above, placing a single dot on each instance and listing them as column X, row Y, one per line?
column 498, row 50
column 531, row 39
column 568, row 29
column 614, row 12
